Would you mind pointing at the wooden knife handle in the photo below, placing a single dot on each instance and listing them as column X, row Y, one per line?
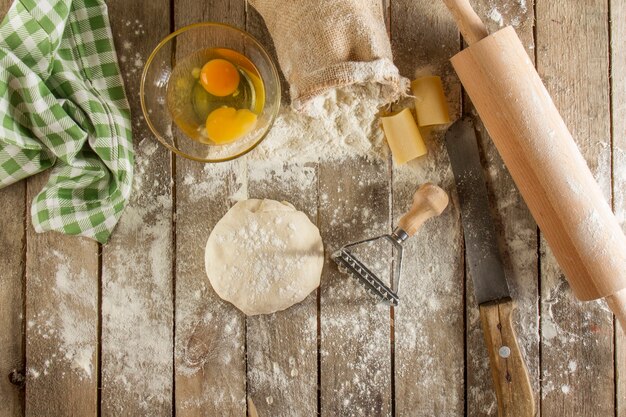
column 508, row 369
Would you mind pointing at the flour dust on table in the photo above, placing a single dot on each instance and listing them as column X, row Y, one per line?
column 264, row 256
column 74, row 336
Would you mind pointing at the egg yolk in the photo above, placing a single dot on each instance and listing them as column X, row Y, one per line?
column 219, row 77
column 226, row 124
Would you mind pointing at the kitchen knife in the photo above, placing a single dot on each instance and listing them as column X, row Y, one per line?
column 509, row 372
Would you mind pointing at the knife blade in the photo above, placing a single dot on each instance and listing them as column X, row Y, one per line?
column 481, row 245
column 482, row 254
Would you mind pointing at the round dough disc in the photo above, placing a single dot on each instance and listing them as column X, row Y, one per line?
column 264, row 256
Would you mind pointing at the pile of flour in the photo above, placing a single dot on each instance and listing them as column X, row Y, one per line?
column 343, row 124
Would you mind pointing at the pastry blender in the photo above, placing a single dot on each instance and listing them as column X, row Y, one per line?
column 428, row 201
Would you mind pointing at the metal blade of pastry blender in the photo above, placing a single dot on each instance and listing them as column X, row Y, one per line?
column 481, row 245
column 349, row 263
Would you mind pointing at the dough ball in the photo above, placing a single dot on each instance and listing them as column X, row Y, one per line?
column 264, row 256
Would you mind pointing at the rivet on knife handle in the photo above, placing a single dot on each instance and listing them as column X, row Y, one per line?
column 510, row 376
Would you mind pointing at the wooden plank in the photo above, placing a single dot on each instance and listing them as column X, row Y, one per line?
column 137, row 305
column 210, row 363
column 282, row 347
column 13, row 244
column 62, row 319
column 518, row 237
column 12, row 284
column 429, row 340
column 210, row 333
column 618, row 132
column 355, row 355
column 577, row 338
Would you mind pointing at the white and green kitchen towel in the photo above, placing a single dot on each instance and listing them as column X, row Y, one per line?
column 63, row 106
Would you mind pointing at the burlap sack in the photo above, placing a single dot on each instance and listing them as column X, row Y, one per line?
column 325, row 44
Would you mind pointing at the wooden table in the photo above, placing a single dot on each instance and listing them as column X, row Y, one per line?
column 132, row 328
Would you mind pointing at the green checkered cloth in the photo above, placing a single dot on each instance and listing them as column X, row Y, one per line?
column 62, row 105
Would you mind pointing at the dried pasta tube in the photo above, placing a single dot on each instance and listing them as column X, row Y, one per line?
column 431, row 106
column 403, row 137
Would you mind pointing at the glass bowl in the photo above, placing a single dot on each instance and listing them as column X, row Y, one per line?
column 158, row 70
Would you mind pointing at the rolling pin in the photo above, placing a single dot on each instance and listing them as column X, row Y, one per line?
column 543, row 159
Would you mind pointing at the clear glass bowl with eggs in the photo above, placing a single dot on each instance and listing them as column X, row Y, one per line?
column 210, row 92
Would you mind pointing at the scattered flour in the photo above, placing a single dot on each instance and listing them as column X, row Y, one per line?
column 283, row 177
column 572, row 366
column 495, row 15
column 514, row 13
column 77, row 335
column 126, row 53
column 74, row 292
column 137, row 345
column 210, row 184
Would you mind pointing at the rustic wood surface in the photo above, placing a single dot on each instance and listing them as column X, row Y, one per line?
column 136, row 279
column 577, row 375
column 282, row 347
column 618, row 152
column 61, row 322
column 152, row 338
column 427, row 350
column 287, row 339
column 12, row 291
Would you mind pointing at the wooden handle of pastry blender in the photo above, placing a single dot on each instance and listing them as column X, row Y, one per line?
column 428, row 201
column 508, row 369
column 470, row 25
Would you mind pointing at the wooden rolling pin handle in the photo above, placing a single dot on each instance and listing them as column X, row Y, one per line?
column 617, row 304
column 467, row 20
column 428, row 201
